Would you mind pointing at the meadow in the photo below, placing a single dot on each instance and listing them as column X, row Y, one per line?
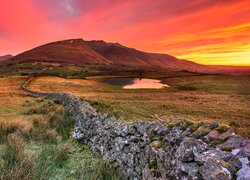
column 35, row 133
column 35, row 139
column 213, row 98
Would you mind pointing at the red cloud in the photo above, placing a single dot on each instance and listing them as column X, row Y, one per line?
column 182, row 27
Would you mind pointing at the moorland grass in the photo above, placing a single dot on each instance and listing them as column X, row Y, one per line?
column 216, row 98
column 36, row 142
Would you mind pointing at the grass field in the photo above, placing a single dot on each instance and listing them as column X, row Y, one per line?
column 35, row 140
column 219, row 98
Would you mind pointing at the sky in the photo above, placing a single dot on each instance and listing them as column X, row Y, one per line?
column 204, row 31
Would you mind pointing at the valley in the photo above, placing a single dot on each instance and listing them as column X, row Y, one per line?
column 212, row 98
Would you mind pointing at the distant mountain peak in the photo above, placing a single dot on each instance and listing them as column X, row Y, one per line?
column 5, row 57
column 99, row 52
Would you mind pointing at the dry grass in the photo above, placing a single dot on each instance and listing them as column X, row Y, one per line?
column 35, row 139
column 223, row 99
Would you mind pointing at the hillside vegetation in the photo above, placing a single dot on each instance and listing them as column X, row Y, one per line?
column 35, row 140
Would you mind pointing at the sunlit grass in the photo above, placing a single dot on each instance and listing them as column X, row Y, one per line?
column 224, row 99
column 35, row 140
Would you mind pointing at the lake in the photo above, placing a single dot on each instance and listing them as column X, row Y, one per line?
column 135, row 83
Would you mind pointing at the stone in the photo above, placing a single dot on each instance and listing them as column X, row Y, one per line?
column 216, row 136
column 235, row 142
column 156, row 150
column 244, row 172
column 189, row 149
column 247, row 148
column 212, row 169
column 201, row 132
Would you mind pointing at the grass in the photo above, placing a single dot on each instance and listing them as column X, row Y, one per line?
column 215, row 98
column 35, row 140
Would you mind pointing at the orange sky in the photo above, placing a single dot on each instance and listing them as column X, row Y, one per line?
column 204, row 31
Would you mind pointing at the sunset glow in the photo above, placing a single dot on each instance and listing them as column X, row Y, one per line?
column 205, row 31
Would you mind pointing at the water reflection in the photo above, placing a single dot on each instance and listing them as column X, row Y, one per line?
column 136, row 83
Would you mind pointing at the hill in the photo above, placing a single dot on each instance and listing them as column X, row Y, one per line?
column 114, row 55
column 5, row 57
column 78, row 51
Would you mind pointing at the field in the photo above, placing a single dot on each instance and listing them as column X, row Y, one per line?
column 218, row 98
column 35, row 133
column 35, row 139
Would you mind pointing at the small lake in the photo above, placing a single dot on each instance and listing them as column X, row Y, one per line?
column 135, row 83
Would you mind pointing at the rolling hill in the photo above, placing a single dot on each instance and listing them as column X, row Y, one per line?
column 5, row 57
column 78, row 51
column 81, row 52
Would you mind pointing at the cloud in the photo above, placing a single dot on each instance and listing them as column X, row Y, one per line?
column 185, row 28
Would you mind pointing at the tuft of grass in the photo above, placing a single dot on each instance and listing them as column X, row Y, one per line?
column 16, row 162
column 222, row 128
column 171, row 124
column 152, row 164
column 6, row 129
column 157, row 144
column 62, row 123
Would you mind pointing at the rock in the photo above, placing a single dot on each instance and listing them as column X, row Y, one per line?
column 189, row 149
column 244, row 172
column 235, row 142
column 212, row 169
column 157, row 151
column 216, row 136
column 247, row 148
column 201, row 132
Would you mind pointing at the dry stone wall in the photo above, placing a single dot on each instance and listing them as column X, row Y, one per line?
column 157, row 150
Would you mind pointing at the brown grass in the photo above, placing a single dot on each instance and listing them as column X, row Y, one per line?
column 213, row 100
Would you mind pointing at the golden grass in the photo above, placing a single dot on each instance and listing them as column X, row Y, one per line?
column 35, row 139
column 212, row 101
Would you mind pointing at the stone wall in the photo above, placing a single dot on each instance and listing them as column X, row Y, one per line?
column 157, row 150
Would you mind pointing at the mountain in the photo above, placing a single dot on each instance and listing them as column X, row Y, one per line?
column 5, row 57
column 81, row 52
column 78, row 51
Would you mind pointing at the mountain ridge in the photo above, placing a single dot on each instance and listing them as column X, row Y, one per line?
column 81, row 52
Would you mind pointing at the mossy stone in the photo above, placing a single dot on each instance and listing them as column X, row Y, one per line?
column 195, row 126
column 222, row 128
column 201, row 131
column 226, row 148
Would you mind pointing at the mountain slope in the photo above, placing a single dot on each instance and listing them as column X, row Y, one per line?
column 5, row 57
column 69, row 51
column 78, row 51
